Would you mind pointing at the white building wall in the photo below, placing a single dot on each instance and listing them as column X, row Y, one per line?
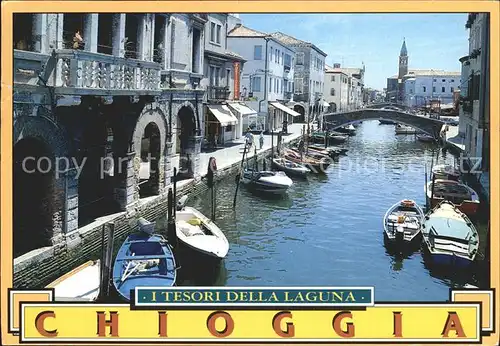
column 338, row 82
column 317, row 73
column 424, row 88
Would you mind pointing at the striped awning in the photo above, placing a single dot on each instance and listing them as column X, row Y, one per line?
column 223, row 114
column 284, row 109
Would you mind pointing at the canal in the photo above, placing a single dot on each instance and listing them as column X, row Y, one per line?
column 328, row 230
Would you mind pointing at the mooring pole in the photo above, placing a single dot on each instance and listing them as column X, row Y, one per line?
column 426, row 197
column 174, row 201
column 171, row 232
column 103, row 263
column 212, row 167
column 109, row 257
column 238, row 176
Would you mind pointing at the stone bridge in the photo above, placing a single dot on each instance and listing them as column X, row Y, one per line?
column 389, row 105
column 430, row 126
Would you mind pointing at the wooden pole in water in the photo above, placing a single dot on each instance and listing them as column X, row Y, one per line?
column 171, row 232
column 109, row 257
column 238, row 176
column 432, row 189
column 174, row 201
column 426, row 198
column 103, row 261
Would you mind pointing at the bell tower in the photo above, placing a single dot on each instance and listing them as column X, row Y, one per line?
column 403, row 69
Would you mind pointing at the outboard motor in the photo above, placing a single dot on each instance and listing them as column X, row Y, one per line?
column 400, row 233
column 181, row 203
column 146, row 226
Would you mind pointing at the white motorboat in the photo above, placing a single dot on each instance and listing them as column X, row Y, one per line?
column 81, row 284
column 403, row 221
column 447, row 172
column 266, row 181
column 425, row 138
column 199, row 233
column 449, row 236
column 289, row 167
column 405, row 130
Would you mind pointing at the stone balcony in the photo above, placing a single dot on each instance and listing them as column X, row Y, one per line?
column 85, row 73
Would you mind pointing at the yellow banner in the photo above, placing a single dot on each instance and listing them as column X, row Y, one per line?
column 44, row 322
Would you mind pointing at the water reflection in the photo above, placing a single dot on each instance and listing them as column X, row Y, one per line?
column 327, row 231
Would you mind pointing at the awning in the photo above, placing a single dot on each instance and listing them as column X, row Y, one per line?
column 326, row 104
column 284, row 109
column 223, row 114
column 242, row 109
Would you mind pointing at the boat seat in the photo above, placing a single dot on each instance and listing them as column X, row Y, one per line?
column 145, row 257
column 189, row 230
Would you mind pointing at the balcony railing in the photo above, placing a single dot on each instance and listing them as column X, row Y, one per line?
column 96, row 73
column 217, row 93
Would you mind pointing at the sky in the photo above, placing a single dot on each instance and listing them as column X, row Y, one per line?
column 434, row 41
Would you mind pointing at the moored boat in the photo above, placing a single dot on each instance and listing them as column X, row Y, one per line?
column 405, row 130
column 447, row 172
column 449, row 236
column 313, row 164
column 266, row 181
column 386, row 122
column 403, row 221
column 333, row 151
column 461, row 195
column 349, row 130
column 425, row 138
column 200, row 234
column 143, row 260
column 80, row 284
column 333, row 138
column 289, row 167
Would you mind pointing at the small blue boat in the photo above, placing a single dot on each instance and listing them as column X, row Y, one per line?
column 143, row 260
column 449, row 236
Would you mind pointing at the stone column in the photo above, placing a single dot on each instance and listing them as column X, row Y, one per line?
column 58, row 209
column 71, row 201
column 125, row 193
column 119, row 35
column 40, row 33
column 167, row 166
column 90, row 32
column 190, row 158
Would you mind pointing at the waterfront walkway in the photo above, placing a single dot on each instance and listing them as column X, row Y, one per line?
column 226, row 157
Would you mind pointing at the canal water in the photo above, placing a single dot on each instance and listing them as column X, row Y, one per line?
column 328, row 230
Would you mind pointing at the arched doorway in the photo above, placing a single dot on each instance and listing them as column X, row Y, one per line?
column 186, row 128
column 333, row 107
column 149, row 171
column 96, row 181
column 33, row 180
column 300, row 109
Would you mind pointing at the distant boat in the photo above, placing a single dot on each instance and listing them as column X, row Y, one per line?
column 266, row 181
column 335, row 137
column 449, row 236
column 405, row 130
column 447, row 172
column 349, row 130
column 200, row 234
column 143, row 260
column 425, row 138
column 461, row 195
column 386, row 122
column 403, row 221
column 333, row 151
column 80, row 284
column 289, row 167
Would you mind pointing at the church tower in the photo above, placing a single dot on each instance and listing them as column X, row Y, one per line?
column 403, row 69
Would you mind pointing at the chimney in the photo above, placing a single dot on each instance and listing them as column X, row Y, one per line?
column 336, row 65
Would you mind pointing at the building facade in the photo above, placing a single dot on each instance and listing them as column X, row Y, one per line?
column 222, row 77
column 336, row 89
column 474, row 99
column 309, row 76
column 267, row 76
column 112, row 99
column 422, row 86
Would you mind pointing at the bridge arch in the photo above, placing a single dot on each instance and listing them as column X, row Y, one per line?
column 429, row 126
column 388, row 104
